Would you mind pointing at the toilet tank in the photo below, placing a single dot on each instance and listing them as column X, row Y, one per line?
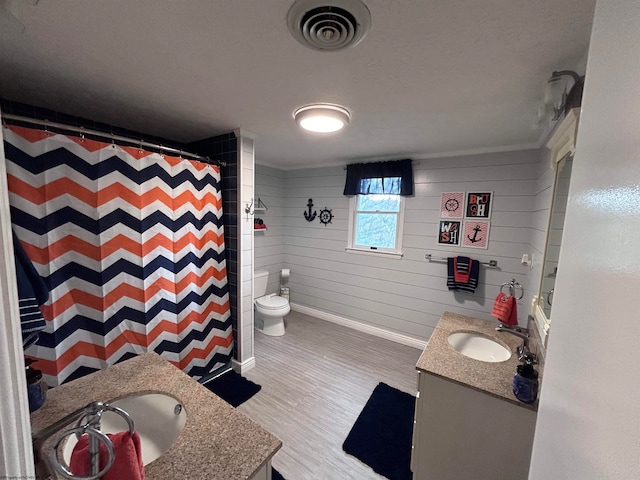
column 260, row 280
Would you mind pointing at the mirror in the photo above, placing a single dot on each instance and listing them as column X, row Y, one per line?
column 554, row 236
column 562, row 147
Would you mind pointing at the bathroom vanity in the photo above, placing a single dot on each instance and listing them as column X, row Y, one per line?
column 468, row 423
column 217, row 441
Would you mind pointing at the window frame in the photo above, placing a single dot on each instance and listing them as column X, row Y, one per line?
column 387, row 252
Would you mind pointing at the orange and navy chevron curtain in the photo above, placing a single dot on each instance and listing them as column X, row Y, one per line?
column 131, row 246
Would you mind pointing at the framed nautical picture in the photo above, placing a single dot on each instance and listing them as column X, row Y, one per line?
column 449, row 232
column 479, row 205
column 476, row 234
column 452, row 205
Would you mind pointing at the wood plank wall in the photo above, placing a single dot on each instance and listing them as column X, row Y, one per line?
column 406, row 295
column 269, row 245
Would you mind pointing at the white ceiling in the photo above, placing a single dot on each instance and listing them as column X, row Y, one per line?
column 431, row 77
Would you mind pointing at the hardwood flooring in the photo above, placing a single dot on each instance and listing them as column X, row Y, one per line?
column 315, row 381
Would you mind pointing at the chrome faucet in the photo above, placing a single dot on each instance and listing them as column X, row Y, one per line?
column 523, row 349
column 88, row 422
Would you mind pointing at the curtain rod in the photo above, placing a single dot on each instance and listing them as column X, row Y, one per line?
column 97, row 133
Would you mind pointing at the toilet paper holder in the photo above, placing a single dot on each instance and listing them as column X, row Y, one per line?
column 285, row 273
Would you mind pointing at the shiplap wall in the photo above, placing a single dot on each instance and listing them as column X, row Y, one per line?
column 269, row 244
column 407, row 295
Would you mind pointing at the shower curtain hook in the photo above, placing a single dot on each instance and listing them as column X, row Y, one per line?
column 113, row 140
column 81, row 135
column 140, row 147
column 161, row 151
column 46, row 127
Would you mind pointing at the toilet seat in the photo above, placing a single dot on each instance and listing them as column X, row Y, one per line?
column 272, row 302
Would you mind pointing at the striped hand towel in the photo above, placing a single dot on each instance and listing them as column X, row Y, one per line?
column 460, row 280
column 32, row 292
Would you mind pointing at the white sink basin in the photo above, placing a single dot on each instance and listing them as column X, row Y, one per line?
column 155, row 417
column 478, row 347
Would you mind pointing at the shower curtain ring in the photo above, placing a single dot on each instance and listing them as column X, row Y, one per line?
column 81, row 135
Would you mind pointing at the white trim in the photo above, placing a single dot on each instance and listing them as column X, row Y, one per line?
column 561, row 143
column 477, row 151
column 362, row 327
column 563, row 139
column 16, row 456
column 242, row 367
column 241, row 132
column 362, row 251
column 416, row 156
column 542, row 322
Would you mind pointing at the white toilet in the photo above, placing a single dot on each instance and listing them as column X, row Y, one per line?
column 269, row 309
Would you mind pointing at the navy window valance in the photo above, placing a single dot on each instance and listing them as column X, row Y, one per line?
column 392, row 177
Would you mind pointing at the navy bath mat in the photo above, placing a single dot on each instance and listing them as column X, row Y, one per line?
column 276, row 475
column 233, row 388
column 381, row 436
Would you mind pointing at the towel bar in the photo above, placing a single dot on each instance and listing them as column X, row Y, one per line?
column 431, row 258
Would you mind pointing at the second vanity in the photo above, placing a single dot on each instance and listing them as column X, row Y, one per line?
column 468, row 423
column 217, row 441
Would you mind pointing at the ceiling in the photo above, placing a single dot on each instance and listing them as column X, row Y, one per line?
column 431, row 77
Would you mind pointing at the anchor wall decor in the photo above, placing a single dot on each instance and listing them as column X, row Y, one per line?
column 310, row 216
column 476, row 234
column 477, row 229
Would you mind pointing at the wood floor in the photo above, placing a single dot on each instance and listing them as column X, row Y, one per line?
column 315, row 381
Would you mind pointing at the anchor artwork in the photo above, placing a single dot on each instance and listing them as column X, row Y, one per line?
column 309, row 215
column 476, row 234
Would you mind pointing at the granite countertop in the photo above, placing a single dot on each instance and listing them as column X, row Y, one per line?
column 218, row 441
column 440, row 359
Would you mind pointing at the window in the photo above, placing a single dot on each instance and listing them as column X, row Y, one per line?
column 377, row 205
column 376, row 223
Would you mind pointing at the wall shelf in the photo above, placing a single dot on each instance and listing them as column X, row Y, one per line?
column 260, row 206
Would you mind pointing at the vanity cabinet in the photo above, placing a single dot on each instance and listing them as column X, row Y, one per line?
column 461, row 433
column 467, row 423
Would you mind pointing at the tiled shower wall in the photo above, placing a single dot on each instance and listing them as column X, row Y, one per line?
column 269, row 244
column 225, row 148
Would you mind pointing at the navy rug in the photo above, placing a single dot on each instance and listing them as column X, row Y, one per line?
column 233, row 388
column 275, row 474
column 381, row 436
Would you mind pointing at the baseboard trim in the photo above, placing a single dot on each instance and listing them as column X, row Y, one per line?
column 362, row 327
column 241, row 367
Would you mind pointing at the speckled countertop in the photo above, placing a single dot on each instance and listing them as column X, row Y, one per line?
column 218, row 441
column 439, row 358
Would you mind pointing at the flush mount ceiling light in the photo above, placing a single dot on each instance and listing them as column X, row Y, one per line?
column 322, row 117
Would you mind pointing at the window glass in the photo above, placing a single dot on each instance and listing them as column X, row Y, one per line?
column 376, row 230
column 376, row 223
column 378, row 203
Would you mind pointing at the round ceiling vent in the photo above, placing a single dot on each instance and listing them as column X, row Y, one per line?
column 329, row 25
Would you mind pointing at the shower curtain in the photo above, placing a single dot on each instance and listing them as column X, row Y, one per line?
column 131, row 246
